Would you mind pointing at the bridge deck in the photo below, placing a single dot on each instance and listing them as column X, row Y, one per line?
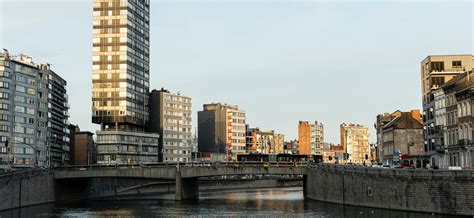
column 187, row 170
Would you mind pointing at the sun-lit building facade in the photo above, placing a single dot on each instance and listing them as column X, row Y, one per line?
column 120, row 77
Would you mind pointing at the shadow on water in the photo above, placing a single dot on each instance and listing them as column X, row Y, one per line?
column 272, row 202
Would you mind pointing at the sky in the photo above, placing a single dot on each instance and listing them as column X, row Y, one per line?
column 280, row 61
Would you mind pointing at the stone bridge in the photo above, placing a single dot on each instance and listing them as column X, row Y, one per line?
column 185, row 176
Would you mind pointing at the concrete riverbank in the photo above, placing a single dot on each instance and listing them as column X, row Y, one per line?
column 433, row 191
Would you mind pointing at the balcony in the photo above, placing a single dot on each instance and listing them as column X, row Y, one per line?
column 464, row 142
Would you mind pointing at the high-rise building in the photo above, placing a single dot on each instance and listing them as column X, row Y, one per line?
column 221, row 131
column 355, row 141
column 33, row 114
column 120, row 74
column 311, row 137
column 120, row 77
column 170, row 116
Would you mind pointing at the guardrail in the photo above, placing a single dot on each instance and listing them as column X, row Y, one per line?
column 29, row 172
column 184, row 164
column 394, row 172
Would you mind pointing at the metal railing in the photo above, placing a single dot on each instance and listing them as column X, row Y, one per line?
column 184, row 164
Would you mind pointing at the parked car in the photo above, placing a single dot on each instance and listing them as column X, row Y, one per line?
column 376, row 165
column 385, row 166
column 402, row 165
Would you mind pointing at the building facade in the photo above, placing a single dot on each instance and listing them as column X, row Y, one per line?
column 120, row 67
column 333, row 154
column 437, row 70
column 403, row 137
column 279, row 143
column 83, row 149
column 311, row 137
column 458, row 134
column 264, row 141
column 221, row 131
column 291, row 147
column 34, row 114
column 120, row 77
column 382, row 153
column 171, row 118
column 436, row 136
column 355, row 141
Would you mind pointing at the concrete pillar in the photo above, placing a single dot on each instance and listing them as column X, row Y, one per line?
column 186, row 188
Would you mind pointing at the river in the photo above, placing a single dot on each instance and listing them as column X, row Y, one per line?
column 269, row 202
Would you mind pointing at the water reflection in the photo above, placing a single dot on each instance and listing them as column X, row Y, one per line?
column 275, row 202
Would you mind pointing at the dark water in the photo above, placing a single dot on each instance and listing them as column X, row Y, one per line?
column 274, row 202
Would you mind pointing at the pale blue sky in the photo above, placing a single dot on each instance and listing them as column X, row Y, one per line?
column 281, row 61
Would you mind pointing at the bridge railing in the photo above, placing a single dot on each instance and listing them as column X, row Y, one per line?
column 29, row 171
column 185, row 164
column 246, row 163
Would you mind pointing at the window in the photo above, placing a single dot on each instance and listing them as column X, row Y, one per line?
column 19, row 109
column 5, row 73
column 30, row 111
column 20, row 89
column 19, row 119
column 4, row 106
column 4, row 117
column 457, row 64
column 20, row 78
column 4, row 95
column 437, row 81
column 20, row 99
column 4, row 128
column 19, row 129
column 31, row 91
column 30, row 101
column 30, row 130
column 437, row 66
column 4, row 85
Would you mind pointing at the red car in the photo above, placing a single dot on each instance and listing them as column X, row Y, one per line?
column 403, row 164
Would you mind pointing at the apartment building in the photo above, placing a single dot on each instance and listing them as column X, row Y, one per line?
column 458, row 132
column 355, row 141
column 436, row 70
column 264, row 141
column 34, row 114
column 310, row 137
column 221, row 131
column 171, row 118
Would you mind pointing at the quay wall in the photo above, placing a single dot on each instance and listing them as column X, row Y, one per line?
column 19, row 189
column 434, row 191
